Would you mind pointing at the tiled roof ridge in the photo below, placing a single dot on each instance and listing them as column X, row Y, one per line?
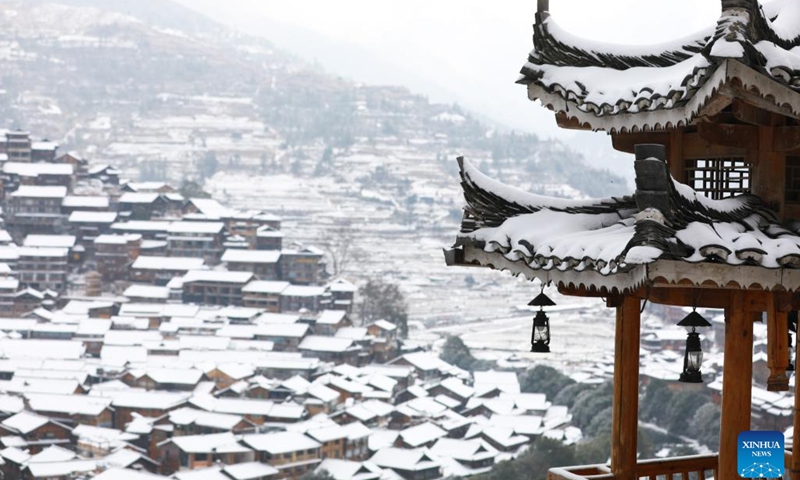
column 551, row 48
column 656, row 223
column 486, row 208
column 744, row 22
column 565, row 67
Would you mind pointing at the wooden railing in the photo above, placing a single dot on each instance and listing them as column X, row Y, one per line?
column 695, row 467
column 585, row 472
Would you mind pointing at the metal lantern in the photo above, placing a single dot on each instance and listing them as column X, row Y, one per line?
column 792, row 317
column 540, row 336
column 693, row 357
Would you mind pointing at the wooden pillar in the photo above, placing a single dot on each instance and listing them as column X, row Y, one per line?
column 676, row 161
column 737, row 380
column 625, row 414
column 794, row 462
column 777, row 346
column 769, row 169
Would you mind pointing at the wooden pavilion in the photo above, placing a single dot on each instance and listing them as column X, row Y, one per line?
column 714, row 121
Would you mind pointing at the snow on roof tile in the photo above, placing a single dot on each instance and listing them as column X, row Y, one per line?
column 249, row 470
column 92, row 433
column 80, row 201
column 147, row 291
column 196, row 227
column 303, row 291
column 385, row 325
column 603, row 81
column 42, row 349
column 225, row 442
column 282, row 442
column 138, row 198
column 266, row 287
column 148, row 400
column 168, row 263
column 15, row 455
column 61, row 469
column 232, row 406
column 457, row 386
column 322, row 392
column 404, row 459
column 350, row 470
column 141, row 226
column 80, row 216
column 53, row 453
column 210, row 207
column 318, row 343
column 116, row 239
column 217, row 276
column 295, row 330
column 191, row 416
column 24, row 422
column 331, row 317
column 178, row 376
column 463, row 450
column 521, row 424
column 237, row 255
column 421, row 434
column 57, row 241
column 25, row 169
column 67, row 404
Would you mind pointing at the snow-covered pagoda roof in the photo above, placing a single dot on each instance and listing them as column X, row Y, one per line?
column 665, row 233
column 620, row 88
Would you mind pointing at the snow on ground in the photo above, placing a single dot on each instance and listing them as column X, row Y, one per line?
column 477, row 304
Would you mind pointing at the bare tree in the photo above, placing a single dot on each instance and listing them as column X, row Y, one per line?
column 340, row 243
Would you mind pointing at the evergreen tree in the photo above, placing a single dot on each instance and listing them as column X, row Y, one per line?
column 544, row 379
column 380, row 300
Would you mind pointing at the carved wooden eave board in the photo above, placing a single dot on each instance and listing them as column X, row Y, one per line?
column 661, row 273
column 580, row 279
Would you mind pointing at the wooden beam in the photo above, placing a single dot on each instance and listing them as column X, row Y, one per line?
column 625, row 417
column 755, row 99
column 676, row 159
column 694, row 146
column 746, row 113
column 752, row 300
column 730, row 135
column 768, row 179
column 736, row 383
column 777, row 347
column 787, row 139
column 687, row 297
column 624, row 142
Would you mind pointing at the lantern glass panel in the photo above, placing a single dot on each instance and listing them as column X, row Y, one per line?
column 540, row 333
column 695, row 360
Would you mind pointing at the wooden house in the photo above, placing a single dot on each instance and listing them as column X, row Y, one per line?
column 714, row 122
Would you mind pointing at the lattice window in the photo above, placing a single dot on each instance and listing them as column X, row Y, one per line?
column 719, row 177
column 792, row 179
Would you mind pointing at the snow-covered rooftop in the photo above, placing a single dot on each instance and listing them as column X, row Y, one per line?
column 629, row 87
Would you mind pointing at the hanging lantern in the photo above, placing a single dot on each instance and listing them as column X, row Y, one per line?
column 540, row 336
column 693, row 357
column 792, row 318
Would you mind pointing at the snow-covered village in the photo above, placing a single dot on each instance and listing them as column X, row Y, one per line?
column 224, row 259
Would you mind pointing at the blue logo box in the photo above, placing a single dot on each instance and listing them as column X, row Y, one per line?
column 760, row 454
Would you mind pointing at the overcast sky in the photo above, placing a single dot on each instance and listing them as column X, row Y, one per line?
column 468, row 51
